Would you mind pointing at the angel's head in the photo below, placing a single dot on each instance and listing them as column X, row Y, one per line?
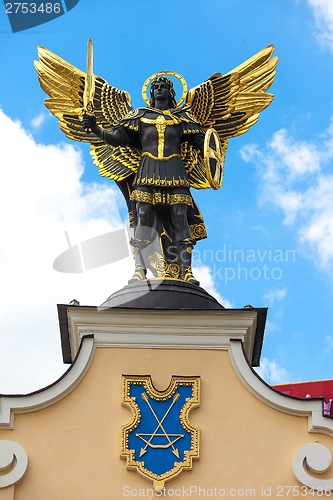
column 170, row 88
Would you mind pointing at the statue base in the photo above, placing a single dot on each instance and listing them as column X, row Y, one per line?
column 162, row 294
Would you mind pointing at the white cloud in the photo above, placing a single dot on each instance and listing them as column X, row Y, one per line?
column 299, row 158
column 272, row 373
column 323, row 16
column 329, row 344
column 274, row 295
column 293, row 180
column 41, row 196
column 38, row 121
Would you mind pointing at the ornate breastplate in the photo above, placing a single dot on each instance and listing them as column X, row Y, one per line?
column 161, row 123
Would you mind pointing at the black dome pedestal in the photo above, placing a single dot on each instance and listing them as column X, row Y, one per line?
column 162, row 294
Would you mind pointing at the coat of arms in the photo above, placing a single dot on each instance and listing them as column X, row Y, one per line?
column 160, row 441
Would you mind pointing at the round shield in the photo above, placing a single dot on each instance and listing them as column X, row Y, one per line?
column 214, row 159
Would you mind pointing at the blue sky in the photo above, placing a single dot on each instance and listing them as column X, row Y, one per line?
column 270, row 226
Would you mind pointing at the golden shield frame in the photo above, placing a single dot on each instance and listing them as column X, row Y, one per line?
column 215, row 152
column 140, row 395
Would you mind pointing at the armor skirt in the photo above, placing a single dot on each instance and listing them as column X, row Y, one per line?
column 161, row 182
column 163, row 173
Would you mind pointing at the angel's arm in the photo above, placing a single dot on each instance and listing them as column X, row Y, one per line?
column 196, row 140
column 116, row 137
column 194, row 135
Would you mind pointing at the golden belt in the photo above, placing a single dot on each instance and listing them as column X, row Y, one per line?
column 160, row 158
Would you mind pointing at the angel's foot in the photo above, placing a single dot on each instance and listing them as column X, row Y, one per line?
column 187, row 275
column 139, row 274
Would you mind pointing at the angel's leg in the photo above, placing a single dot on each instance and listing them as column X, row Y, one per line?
column 143, row 238
column 183, row 242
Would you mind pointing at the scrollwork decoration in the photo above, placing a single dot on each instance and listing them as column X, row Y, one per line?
column 13, row 463
column 313, row 457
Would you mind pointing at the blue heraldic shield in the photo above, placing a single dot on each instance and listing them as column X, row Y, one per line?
column 160, row 441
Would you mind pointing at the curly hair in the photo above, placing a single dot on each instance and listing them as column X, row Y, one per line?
column 172, row 93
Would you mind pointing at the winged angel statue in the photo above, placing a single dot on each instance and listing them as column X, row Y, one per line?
column 157, row 153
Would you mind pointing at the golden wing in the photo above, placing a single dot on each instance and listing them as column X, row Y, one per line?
column 64, row 83
column 231, row 103
column 115, row 163
column 195, row 164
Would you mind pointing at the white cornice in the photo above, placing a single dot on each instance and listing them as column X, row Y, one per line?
column 313, row 409
column 132, row 328
column 10, row 405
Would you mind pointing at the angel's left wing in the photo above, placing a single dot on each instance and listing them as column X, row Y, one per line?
column 64, row 83
column 231, row 103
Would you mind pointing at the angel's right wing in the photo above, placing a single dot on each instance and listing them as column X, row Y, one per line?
column 64, row 83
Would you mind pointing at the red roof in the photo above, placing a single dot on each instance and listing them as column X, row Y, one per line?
column 312, row 389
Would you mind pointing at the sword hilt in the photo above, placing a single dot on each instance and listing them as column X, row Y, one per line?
column 88, row 111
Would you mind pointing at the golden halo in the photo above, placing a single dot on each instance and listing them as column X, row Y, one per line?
column 171, row 73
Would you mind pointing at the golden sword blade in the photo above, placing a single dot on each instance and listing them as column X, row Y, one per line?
column 89, row 84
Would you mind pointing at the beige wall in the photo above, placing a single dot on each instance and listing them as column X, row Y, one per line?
column 74, row 445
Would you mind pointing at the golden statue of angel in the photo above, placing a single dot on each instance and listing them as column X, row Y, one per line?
column 157, row 153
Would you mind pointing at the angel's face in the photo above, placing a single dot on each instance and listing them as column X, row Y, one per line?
column 161, row 91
